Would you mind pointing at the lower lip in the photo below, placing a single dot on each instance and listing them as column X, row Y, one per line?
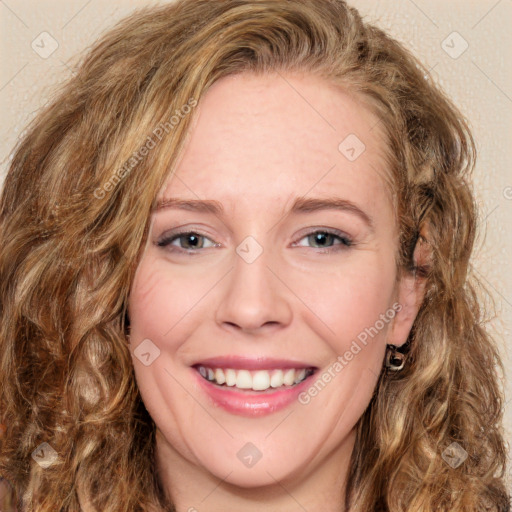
column 251, row 403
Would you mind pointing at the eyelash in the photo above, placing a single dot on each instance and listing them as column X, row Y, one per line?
column 346, row 242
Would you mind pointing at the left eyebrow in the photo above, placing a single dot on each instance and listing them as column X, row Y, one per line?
column 305, row 205
column 300, row 205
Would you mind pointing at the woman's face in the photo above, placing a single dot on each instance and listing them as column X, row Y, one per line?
column 290, row 268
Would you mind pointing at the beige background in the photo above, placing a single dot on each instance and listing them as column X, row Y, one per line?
column 479, row 81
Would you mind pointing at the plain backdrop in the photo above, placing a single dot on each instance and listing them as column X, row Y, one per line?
column 465, row 44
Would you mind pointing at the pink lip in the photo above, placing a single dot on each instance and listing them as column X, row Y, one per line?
column 246, row 363
column 251, row 403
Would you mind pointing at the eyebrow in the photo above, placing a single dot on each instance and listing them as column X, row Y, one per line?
column 300, row 205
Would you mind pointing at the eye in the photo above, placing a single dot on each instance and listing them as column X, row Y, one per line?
column 324, row 237
column 191, row 242
column 192, row 239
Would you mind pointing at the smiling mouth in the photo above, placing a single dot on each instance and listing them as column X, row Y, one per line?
column 255, row 380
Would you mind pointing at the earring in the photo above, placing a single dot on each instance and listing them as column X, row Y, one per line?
column 395, row 360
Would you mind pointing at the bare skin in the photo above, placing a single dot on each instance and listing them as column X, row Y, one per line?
column 256, row 146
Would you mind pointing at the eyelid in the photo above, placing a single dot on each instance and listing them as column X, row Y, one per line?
column 346, row 240
column 165, row 239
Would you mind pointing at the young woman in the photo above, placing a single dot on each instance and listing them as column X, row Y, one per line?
column 234, row 276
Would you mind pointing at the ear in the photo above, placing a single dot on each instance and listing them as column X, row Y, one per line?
column 411, row 291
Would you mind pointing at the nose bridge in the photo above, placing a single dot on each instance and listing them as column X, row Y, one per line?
column 253, row 296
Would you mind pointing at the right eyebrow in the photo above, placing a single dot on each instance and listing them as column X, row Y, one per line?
column 301, row 205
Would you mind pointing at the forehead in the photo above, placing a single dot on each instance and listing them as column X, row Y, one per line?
column 279, row 136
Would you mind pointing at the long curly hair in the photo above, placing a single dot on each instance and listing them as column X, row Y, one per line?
column 74, row 216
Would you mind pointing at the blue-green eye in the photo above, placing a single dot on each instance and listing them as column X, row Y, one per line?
column 191, row 242
column 323, row 239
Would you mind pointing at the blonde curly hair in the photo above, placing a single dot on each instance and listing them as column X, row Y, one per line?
column 69, row 254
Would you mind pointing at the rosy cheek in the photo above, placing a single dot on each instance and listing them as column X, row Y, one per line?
column 161, row 301
column 148, row 310
column 353, row 306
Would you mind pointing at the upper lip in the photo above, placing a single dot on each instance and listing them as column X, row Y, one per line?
column 248, row 363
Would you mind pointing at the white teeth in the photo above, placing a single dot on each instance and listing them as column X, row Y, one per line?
column 219, row 376
column 259, row 380
column 289, row 377
column 230, row 377
column 276, row 380
column 244, row 379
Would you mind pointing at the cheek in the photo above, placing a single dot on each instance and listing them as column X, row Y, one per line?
column 160, row 301
column 339, row 305
column 149, row 310
column 352, row 313
column 351, row 303
column 159, row 305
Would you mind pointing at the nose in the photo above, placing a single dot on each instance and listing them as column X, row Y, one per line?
column 254, row 297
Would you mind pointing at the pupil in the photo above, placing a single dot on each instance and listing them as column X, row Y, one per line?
column 193, row 237
column 319, row 237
